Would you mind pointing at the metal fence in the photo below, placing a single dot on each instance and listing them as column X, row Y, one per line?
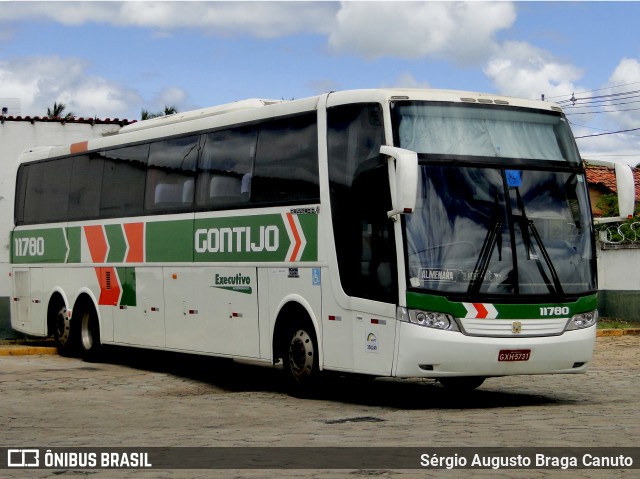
column 627, row 233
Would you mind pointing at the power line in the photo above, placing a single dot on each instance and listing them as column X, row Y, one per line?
column 597, row 89
column 607, row 133
column 588, row 127
column 601, row 111
column 609, row 102
column 621, row 96
column 606, row 155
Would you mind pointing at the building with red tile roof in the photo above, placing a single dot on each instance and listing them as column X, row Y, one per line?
column 602, row 181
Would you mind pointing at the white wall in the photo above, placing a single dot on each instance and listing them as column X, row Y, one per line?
column 16, row 137
column 619, row 269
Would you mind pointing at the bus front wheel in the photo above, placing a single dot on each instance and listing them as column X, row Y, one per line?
column 300, row 359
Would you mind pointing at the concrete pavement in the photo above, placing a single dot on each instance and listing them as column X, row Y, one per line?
column 137, row 399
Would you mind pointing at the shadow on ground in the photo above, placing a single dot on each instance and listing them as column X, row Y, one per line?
column 382, row 392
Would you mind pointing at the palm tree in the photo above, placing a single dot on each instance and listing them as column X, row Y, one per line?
column 168, row 110
column 57, row 111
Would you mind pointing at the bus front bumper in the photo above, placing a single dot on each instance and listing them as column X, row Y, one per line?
column 431, row 353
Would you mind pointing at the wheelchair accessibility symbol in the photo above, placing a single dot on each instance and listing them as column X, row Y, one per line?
column 315, row 277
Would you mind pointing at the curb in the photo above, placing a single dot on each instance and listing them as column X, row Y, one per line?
column 618, row 332
column 21, row 350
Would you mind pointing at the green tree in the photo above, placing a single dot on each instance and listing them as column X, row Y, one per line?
column 168, row 110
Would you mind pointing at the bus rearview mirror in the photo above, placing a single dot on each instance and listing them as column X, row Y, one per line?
column 403, row 179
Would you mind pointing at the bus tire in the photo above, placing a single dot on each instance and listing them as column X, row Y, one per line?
column 89, row 332
column 62, row 328
column 300, row 359
column 462, row 383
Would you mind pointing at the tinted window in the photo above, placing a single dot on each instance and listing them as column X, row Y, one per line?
column 171, row 173
column 360, row 199
column 123, row 181
column 226, row 166
column 47, row 191
column 84, row 191
column 467, row 130
column 286, row 165
column 21, row 188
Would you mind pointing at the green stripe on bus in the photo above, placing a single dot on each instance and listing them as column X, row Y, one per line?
column 127, row 277
column 169, row 241
column 38, row 246
column 117, row 243
column 74, row 238
column 430, row 302
column 309, row 224
column 256, row 238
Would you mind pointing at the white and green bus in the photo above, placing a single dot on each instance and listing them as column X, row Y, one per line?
column 403, row 233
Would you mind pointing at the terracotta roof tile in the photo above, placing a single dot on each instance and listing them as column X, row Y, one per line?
column 88, row 121
column 603, row 176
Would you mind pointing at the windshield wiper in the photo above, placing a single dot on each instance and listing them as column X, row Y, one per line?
column 556, row 287
column 492, row 238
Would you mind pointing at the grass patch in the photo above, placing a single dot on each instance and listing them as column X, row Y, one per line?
column 613, row 323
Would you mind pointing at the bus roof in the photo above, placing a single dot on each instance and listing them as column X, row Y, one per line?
column 257, row 109
column 198, row 114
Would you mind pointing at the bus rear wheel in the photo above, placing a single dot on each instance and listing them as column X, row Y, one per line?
column 90, row 346
column 300, row 360
column 62, row 331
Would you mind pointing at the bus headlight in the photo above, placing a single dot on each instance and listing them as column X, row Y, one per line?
column 582, row 320
column 429, row 319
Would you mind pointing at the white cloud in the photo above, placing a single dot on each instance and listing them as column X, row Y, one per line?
column 616, row 113
column 627, row 71
column 170, row 97
column 407, row 80
column 622, row 148
column 259, row 19
column 522, row 70
column 461, row 32
column 625, row 78
column 41, row 81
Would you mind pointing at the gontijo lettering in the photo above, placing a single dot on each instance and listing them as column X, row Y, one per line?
column 238, row 239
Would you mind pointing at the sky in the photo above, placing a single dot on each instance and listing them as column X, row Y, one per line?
column 113, row 59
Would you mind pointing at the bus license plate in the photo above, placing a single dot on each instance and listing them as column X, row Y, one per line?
column 514, row 355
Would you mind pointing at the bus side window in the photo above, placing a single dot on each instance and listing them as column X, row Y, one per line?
column 286, row 165
column 84, row 191
column 171, row 173
column 48, row 187
column 225, row 167
column 122, row 191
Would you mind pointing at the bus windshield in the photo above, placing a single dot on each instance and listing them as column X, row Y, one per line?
column 504, row 229
column 461, row 130
column 500, row 231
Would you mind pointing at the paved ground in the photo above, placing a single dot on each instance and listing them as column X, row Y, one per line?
column 160, row 399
